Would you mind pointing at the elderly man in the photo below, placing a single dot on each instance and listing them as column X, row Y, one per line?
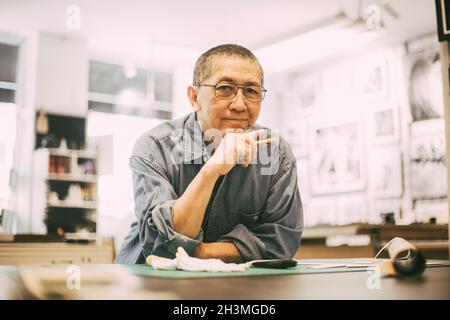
column 203, row 182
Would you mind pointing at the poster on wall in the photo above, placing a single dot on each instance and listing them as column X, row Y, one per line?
column 427, row 210
column 386, row 172
column 336, row 157
column 428, row 169
column 424, row 79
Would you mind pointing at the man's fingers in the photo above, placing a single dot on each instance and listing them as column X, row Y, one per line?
column 243, row 153
column 242, row 148
column 247, row 151
column 249, row 143
column 249, row 155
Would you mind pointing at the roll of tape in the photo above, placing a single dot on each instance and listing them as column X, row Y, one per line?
column 405, row 259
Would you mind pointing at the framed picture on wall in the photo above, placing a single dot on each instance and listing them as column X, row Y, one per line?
column 428, row 170
column 336, row 156
column 426, row 210
column 424, row 81
column 307, row 93
column 386, row 172
column 384, row 125
column 371, row 77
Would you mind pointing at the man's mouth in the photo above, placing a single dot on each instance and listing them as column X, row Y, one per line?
column 237, row 120
column 236, row 123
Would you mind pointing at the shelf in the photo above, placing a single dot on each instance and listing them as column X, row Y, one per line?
column 71, row 153
column 92, row 178
column 82, row 205
column 59, row 171
column 92, row 236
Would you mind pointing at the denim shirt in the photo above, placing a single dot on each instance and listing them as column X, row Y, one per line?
column 257, row 208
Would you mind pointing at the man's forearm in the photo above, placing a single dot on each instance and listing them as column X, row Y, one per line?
column 189, row 209
column 225, row 251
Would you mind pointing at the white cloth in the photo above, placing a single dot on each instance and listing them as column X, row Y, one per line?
column 184, row 262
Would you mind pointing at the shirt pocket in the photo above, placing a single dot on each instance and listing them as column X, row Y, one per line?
column 248, row 218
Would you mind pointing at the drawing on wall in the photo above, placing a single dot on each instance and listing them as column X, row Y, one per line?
column 424, row 211
column 427, row 160
column 426, row 100
column 307, row 93
column 336, row 158
column 372, row 78
column 386, row 172
column 384, row 125
column 295, row 134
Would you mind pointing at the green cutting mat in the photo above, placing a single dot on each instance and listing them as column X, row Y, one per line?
column 145, row 270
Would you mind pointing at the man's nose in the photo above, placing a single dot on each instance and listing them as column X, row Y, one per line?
column 238, row 103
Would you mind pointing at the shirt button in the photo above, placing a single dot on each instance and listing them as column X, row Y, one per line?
column 255, row 218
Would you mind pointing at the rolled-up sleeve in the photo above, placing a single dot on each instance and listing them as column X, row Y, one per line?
column 279, row 229
column 154, row 198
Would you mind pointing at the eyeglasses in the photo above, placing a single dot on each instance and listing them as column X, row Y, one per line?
column 227, row 91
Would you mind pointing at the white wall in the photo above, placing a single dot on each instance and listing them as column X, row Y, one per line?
column 182, row 78
column 62, row 75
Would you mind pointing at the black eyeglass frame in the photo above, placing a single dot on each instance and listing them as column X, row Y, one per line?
column 264, row 90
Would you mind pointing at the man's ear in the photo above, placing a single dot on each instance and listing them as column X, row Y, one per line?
column 192, row 95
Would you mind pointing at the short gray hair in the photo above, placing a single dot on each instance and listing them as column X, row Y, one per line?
column 203, row 66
